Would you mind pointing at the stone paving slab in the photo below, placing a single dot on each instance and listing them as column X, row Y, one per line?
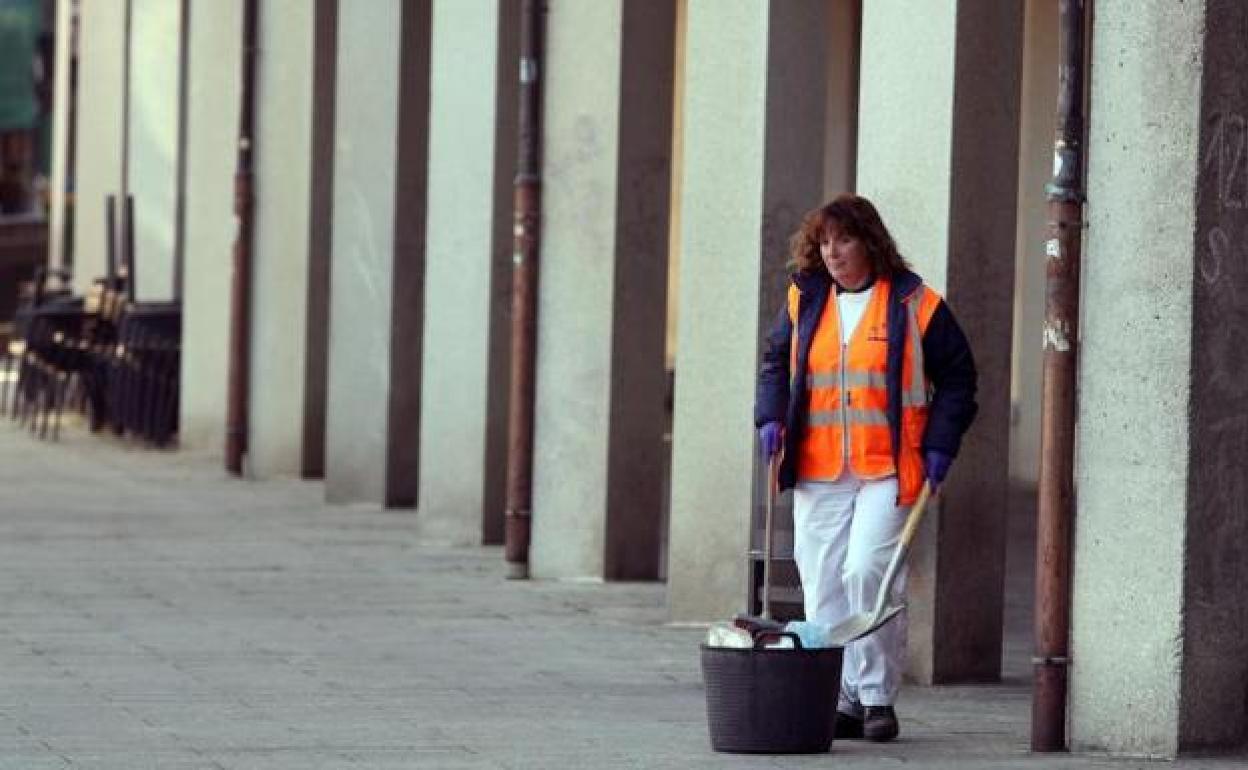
column 155, row 614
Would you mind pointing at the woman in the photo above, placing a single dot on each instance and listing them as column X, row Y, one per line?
column 866, row 388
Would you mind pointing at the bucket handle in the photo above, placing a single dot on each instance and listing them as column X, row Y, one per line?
column 762, row 637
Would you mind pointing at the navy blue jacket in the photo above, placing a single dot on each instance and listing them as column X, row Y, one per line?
column 947, row 362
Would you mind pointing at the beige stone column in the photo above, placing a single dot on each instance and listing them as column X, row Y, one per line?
column 938, row 154
column 62, row 108
column 753, row 164
column 98, row 143
column 213, row 83
column 597, row 475
column 472, row 167
column 377, row 274
column 282, row 249
column 1160, row 612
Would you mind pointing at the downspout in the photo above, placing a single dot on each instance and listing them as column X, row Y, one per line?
column 524, row 273
column 239, row 376
column 1057, row 443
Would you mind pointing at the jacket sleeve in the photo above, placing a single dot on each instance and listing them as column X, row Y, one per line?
column 950, row 368
column 771, row 400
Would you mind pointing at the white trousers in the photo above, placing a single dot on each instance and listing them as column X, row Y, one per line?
column 845, row 532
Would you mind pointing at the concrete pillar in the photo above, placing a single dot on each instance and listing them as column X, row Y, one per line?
column 291, row 252
column 211, row 140
column 154, row 143
column 1160, row 613
column 600, row 381
column 284, row 163
column 843, row 21
column 751, row 66
column 1035, row 168
column 98, row 144
column 377, row 273
column 62, row 110
column 472, row 163
column 320, row 238
column 938, row 154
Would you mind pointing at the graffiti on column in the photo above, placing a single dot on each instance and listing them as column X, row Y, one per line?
column 1223, row 157
column 1221, row 262
column 1220, row 342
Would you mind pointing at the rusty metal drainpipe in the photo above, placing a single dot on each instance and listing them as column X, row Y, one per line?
column 1061, row 341
column 240, row 293
column 527, row 239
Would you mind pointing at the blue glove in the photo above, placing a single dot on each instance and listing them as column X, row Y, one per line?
column 771, row 437
column 936, row 466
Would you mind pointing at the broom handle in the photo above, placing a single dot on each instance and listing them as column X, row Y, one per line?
column 769, row 529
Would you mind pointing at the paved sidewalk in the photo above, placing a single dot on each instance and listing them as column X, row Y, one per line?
column 154, row 614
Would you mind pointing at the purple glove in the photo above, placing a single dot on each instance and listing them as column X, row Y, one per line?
column 936, row 466
column 771, row 437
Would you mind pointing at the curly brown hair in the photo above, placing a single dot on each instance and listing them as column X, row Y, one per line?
column 855, row 215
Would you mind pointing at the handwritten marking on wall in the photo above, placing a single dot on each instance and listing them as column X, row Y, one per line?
column 1211, row 259
column 1225, row 155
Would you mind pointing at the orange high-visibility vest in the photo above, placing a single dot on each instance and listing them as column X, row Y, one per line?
column 847, row 412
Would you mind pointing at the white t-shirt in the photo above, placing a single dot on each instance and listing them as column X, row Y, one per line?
column 851, row 306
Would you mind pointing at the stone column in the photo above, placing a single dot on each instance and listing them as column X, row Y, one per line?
column 280, row 276
column 98, row 143
column 472, row 165
column 61, row 110
column 320, row 238
column 1038, row 100
column 753, row 165
column 373, row 393
column 213, row 84
column 843, row 21
column 600, row 377
column 938, row 154
column 1160, row 612
column 154, row 143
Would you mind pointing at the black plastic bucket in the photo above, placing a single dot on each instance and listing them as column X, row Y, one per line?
column 771, row 701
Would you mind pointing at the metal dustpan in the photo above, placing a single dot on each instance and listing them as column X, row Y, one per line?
column 863, row 623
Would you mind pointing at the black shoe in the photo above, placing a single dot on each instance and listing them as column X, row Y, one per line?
column 880, row 724
column 847, row 727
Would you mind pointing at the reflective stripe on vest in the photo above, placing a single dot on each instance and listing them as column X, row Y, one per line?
column 847, row 392
column 853, row 416
column 914, row 391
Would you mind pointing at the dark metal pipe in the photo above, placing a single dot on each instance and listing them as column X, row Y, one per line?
column 240, row 294
column 128, row 26
column 110, row 224
column 127, row 249
column 1057, row 442
column 527, row 240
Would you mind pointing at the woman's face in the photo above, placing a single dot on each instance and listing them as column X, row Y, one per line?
column 845, row 257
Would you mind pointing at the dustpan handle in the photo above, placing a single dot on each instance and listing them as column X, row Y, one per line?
column 908, row 531
column 916, row 515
